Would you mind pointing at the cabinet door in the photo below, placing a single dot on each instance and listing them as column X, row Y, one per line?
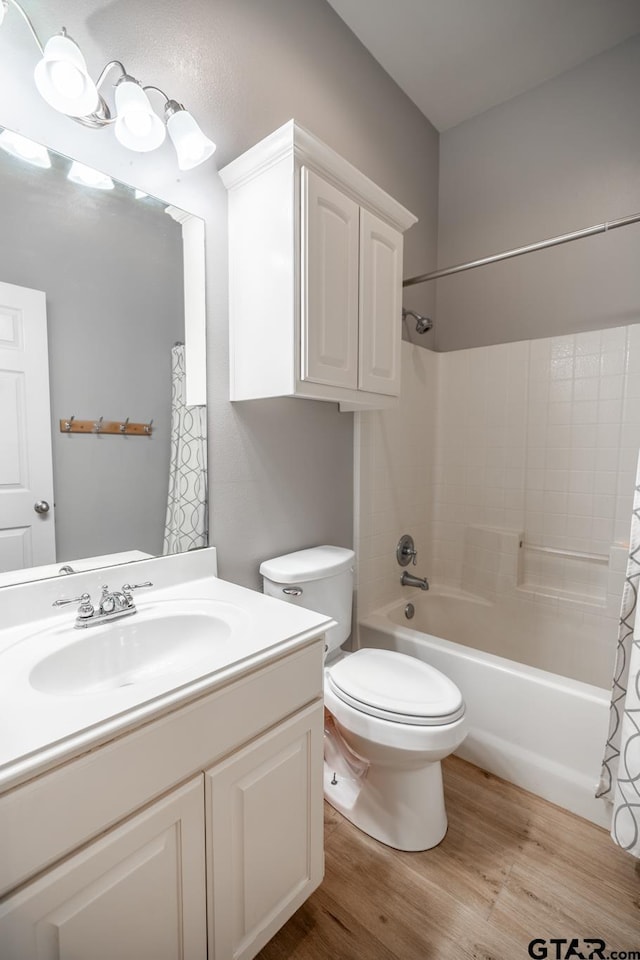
column 380, row 305
column 264, row 835
column 138, row 892
column 329, row 278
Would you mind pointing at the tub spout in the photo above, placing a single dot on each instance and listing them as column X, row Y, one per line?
column 408, row 580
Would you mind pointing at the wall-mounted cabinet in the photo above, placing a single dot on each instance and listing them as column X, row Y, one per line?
column 315, row 274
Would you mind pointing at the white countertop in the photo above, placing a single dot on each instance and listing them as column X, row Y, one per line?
column 39, row 730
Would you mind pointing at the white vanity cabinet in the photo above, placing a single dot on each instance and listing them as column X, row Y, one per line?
column 261, row 807
column 208, row 817
column 315, row 273
column 137, row 892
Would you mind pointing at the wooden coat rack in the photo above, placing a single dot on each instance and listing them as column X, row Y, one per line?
column 124, row 428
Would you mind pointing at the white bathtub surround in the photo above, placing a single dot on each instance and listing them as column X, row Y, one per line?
column 394, row 466
column 541, row 731
column 562, row 640
column 535, row 442
column 621, row 766
column 492, row 561
column 539, row 436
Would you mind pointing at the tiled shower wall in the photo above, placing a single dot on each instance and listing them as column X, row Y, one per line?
column 519, row 469
column 394, row 464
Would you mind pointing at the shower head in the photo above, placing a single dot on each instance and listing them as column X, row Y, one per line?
column 423, row 324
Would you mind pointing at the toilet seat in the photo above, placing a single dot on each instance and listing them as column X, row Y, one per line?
column 393, row 686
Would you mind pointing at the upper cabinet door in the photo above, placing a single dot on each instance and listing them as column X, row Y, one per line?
column 329, row 279
column 380, row 305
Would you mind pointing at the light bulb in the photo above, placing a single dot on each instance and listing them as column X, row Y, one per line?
column 67, row 79
column 4, row 6
column 191, row 145
column 62, row 78
column 137, row 126
column 24, row 149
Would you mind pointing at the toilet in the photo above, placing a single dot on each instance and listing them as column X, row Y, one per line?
column 391, row 718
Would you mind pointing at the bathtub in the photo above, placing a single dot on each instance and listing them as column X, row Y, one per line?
column 541, row 730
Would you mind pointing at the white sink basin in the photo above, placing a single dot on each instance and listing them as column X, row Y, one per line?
column 164, row 638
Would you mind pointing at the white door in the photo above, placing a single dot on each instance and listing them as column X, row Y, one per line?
column 329, row 284
column 137, row 893
column 26, row 476
column 380, row 305
column 264, row 835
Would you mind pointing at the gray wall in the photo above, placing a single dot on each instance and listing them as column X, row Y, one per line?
column 111, row 267
column 562, row 157
column 281, row 470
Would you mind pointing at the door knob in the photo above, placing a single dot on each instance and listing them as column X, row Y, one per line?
column 41, row 506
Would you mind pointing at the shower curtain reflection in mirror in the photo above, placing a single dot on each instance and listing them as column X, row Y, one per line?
column 186, row 522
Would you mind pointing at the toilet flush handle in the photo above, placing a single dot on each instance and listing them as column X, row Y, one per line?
column 292, row 591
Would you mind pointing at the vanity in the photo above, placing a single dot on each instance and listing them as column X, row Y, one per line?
column 163, row 803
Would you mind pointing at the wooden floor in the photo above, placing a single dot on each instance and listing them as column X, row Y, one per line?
column 510, row 869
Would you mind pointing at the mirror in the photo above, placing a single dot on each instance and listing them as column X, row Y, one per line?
column 113, row 268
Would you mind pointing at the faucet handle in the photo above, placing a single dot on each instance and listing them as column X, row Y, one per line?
column 86, row 608
column 128, row 587
column 63, row 602
column 406, row 551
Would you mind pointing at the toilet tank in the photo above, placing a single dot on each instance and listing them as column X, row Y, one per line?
column 319, row 579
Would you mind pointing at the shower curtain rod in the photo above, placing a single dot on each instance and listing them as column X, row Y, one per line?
column 542, row 245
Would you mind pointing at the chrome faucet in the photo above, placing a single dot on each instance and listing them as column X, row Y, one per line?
column 408, row 580
column 113, row 605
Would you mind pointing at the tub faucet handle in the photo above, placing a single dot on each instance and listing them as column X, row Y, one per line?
column 406, row 552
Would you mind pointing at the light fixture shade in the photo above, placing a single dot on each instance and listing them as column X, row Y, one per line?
column 88, row 177
column 137, row 126
column 3, row 9
column 63, row 81
column 25, row 149
column 192, row 147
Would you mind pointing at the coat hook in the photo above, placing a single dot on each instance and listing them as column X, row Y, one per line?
column 98, row 425
column 147, row 428
column 68, row 423
column 123, row 426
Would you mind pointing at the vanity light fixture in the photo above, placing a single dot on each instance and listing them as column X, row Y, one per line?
column 23, row 148
column 63, row 80
column 191, row 145
column 137, row 127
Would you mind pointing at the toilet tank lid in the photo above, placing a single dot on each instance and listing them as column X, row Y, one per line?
column 305, row 565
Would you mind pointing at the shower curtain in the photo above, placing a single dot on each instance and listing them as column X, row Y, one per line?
column 620, row 777
column 186, row 521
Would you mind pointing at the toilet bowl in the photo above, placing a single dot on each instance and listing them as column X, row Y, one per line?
column 391, row 718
